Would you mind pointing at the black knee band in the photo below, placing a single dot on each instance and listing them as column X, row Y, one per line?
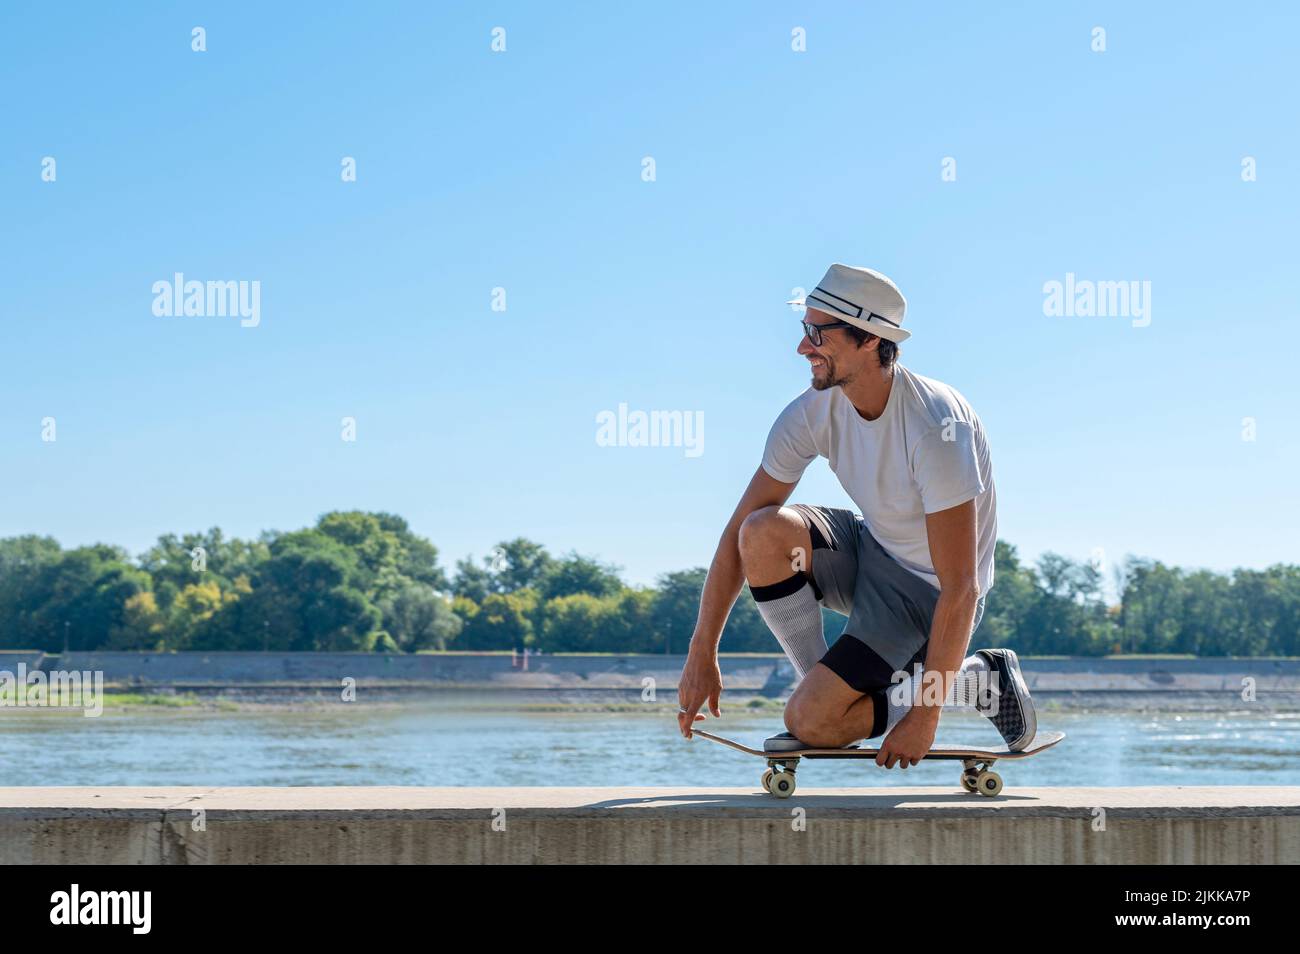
column 775, row 591
column 880, row 713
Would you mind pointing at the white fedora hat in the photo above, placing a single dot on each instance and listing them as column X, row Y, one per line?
column 862, row 297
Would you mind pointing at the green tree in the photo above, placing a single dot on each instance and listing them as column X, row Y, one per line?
column 578, row 574
column 517, row 564
column 676, row 608
column 175, row 563
column 502, row 621
column 389, row 556
column 143, row 625
column 523, row 564
column 1151, row 607
column 418, row 618
column 473, row 582
column 80, row 599
column 574, row 623
column 1067, row 613
column 308, row 596
column 1007, row 604
column 23, row 562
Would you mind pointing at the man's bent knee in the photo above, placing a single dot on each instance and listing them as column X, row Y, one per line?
column 817, row 712
column 774, row 543
column 814, row 727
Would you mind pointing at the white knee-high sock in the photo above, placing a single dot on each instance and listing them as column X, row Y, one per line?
column 794, row 616
column 963, row 693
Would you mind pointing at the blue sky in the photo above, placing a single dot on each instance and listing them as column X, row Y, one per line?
column 523, row 170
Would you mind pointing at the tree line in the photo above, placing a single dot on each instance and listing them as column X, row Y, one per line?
column 364, row 582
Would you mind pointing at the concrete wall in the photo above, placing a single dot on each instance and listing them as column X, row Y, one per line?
column 1175, row 825
column 33, row 659
column 758, row 673
column 468, row 670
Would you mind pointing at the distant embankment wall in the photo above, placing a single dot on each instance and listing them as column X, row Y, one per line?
column 770, row 674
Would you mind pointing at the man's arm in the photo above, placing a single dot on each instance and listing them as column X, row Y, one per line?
column 953, row 551
column 701, row 679
column 726, row 575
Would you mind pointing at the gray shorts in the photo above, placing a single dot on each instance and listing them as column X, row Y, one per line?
column 890, row 608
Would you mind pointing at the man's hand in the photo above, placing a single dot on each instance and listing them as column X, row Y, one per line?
column 701, row 679
column 701, row 682
column 911, row 739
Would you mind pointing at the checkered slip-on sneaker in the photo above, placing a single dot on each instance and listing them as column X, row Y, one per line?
column 1011, row 710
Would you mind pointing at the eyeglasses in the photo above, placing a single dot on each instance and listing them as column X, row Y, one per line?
column 814, row 332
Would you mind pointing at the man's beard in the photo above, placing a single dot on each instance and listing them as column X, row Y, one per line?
column 829, row 379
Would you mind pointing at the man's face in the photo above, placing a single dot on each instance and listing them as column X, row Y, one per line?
column 838, row 359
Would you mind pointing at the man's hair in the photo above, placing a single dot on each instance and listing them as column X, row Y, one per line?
column 886, row 351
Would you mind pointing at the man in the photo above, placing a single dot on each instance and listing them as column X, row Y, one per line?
column 911, row 573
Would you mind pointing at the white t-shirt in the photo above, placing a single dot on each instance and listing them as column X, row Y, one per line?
column 927, row 452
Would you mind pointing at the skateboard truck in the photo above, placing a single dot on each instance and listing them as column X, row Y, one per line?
column 977, row 775
column 779, row 777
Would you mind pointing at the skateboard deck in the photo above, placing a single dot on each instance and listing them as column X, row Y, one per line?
column 977, row 769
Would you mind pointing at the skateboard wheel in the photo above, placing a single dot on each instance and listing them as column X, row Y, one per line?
column 988, row 783
column 767, row 780
column 781, row 784
column 968, row 782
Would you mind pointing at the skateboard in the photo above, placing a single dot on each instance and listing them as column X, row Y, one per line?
column 977, row 773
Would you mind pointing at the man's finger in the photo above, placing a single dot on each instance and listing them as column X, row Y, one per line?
column 686, row 717
column 714, row 704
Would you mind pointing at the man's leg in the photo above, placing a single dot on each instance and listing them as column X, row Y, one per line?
column 776, row 552
column 968, row 689
column 826, row 712
column 965, row 693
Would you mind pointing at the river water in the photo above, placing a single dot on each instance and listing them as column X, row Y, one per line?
column 454, row 740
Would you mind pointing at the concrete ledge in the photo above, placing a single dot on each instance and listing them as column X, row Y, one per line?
column 380, row 825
